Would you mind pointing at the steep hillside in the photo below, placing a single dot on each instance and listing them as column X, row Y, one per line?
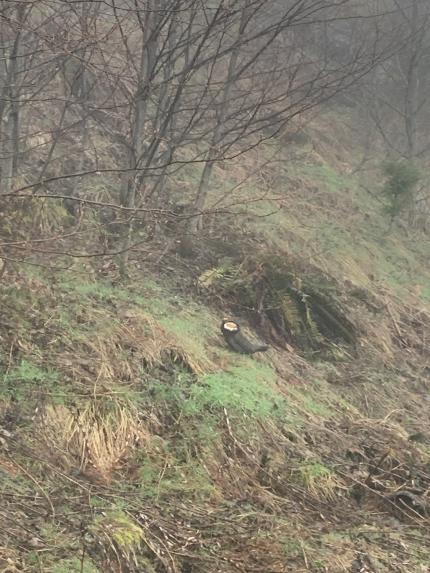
column 133, row 439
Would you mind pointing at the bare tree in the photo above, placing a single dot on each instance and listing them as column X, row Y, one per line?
column 398, row 89
column 115, row 100
column 12, row 20
column 395, row 96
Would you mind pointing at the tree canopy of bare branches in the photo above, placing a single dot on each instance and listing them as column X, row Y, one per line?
column 103, row 103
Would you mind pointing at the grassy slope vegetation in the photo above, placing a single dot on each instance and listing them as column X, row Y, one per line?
column 131, row 439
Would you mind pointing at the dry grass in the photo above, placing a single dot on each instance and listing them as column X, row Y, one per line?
column 157, row 343
column 121, row 537
column 95, row 441
column 121, row 348
column 9, row 562
column 257, row 501
column 319, row 481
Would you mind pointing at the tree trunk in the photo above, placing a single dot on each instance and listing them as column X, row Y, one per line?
column 196, row 222
column 11, row 111
column 412, row 85
column 131, row 177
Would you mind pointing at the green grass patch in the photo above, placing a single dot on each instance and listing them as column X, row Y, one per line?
column 323, row 174
column 27, row 371
column 243, row 389
column 194, row 327
column 177, row 479
column 292, row 548
column 315, row 399
column 150, row 294
column 123, row 530
column 28, row 379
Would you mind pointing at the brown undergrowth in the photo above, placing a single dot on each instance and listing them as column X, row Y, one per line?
column 138, row 443
column 132, row 440
column 94, row 441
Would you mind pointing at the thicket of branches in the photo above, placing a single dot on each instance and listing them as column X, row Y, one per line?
column 103, row 103
column 394, row 97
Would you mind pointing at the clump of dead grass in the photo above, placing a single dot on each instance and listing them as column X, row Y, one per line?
column 122, row 347
column 9, row 561
column 95, row 441
column 320, row 482
column 157, row 344
column 121, row 537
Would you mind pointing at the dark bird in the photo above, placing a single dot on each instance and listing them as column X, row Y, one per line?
column 237, row 341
